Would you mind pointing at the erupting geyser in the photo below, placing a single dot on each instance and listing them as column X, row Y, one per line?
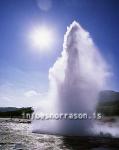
column 75, row 81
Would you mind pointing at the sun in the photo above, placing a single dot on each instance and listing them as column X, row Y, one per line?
column 41, row 38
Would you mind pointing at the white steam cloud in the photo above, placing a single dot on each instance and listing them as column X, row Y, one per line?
column 76, row 79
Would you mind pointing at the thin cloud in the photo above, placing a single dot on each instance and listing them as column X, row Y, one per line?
column 31, row 93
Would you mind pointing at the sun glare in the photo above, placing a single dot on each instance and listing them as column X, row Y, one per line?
column 42, row 38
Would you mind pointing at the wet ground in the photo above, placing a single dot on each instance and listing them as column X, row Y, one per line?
column 18, row 136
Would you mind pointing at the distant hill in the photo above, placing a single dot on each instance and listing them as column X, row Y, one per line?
column 108, row 103
column 13, row 112
column 4, row 109
column 108, row 95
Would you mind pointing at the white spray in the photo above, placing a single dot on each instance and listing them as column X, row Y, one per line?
column 76, row 79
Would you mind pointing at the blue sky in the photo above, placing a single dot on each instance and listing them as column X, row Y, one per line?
column 23, row 70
